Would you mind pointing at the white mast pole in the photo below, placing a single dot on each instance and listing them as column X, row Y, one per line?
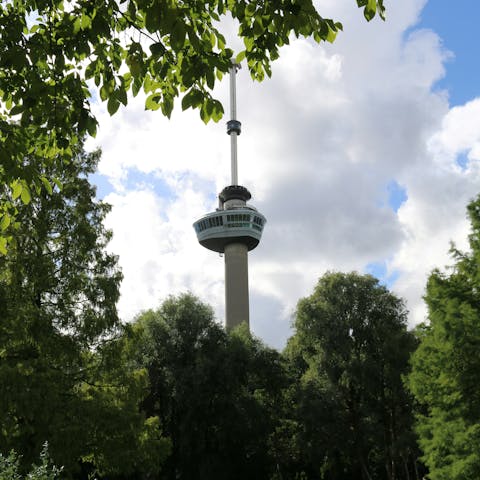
column 233, row 126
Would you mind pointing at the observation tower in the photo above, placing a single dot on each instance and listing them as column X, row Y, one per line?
column 233, row 229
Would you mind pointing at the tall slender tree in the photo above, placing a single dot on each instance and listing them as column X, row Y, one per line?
column 59, row 331
column 446, row 367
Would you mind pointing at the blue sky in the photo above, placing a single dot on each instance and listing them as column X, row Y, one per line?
column 457, row 25
column 362, row 154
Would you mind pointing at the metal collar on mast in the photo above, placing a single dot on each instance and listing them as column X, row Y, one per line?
column 234, row 127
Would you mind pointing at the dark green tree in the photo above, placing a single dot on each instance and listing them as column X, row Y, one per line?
column 215, row 394
column 446, row 367
column 60, row 335
column 349, row 352
column 55, row 53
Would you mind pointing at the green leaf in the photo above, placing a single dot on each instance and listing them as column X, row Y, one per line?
column 121, row 95
column 370, row 9
column 218, row 111
column 157, row 49
column 136, row 86
column 3, row 245
column 193, row 98
column 258, row 26
column 16, row 189
column 47, row 185
column 250, row 9
column 103, row 93
column 25, row 195
column 249, row 43
column 167, row 106
column 381, row 9
column 77, row 24
column 204, row 115
column 210, row 79
column 221, row 41
column 58, row 183
column 112, row 105
column 213, row 40
column 177, row 37
column 91, row 126
column 85, row 21
column 153, row 102
column 17, row 109
column 240, row 57
column 331, row 35
column 5, row 221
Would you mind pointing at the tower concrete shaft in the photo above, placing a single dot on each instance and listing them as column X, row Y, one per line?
column 236, row 285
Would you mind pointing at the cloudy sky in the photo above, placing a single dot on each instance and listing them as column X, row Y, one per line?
column 362, row 155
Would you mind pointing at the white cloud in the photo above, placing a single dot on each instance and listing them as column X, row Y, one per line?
column 321, row 141
column 153, row 237
column 438, row 193
column 460, row 132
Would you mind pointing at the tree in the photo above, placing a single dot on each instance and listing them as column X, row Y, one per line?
column 215, row 394
column 349, row 351
column 60, row 335
column 56, row 53
column 446, row 367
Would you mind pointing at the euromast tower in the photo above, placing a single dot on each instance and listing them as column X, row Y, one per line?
column 233, row 229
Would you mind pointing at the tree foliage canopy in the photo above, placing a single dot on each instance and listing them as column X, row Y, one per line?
column 446, row 367
column 59, row 55
column 350, row 350
column 62, row 375
column 214, row 393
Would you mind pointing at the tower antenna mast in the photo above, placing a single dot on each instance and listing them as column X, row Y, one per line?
column 234, row 127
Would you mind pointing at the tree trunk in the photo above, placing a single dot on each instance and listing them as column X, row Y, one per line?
column 417, row 476
column 405, row 464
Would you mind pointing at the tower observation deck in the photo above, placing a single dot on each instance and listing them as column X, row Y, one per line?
column 233, row 229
